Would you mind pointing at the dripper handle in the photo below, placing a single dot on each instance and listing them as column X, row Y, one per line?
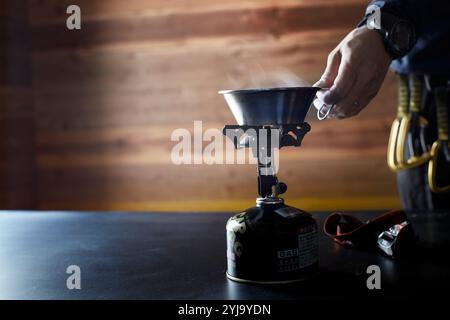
column 324, row 110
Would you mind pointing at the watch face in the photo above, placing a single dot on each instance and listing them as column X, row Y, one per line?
column 401, row 37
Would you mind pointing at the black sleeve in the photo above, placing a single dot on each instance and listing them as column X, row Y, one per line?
column 405, row 9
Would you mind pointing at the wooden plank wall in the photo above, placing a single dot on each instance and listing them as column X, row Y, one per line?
column 17, row 171
column 107, row 98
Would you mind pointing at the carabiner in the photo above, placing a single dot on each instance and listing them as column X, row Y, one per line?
column 432, row 169
column 409, row 121
column 441, row 95
column 402, row 110
column 392, row 145
column 413, row 160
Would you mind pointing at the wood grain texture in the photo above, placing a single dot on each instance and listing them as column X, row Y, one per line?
column 270, row 20
column 50, row 12
column 107, row 98
column 17, row 149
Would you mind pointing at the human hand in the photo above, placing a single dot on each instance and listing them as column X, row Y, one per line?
column 355, row 71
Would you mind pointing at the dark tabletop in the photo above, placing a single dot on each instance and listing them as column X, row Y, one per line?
column 182, row 256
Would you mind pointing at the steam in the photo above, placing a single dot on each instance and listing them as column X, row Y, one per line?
column 261, row 77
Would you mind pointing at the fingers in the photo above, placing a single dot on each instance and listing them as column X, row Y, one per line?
column 339, row 76
column 331, row 70
column 328, row 76
column 358, row 98
column 345, row 80
column 354, row 73
column 350, row 105
column 365, row 88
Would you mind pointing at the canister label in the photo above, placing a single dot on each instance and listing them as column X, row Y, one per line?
column 305, row 255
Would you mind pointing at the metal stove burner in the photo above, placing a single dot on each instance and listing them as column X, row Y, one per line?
column 251, row 136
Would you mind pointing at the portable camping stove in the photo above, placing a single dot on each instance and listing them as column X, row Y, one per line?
column 271, row 242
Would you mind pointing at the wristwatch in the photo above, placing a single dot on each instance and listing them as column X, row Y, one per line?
column 398, row 33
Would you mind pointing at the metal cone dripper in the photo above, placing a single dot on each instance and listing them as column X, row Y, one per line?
column 271, row 242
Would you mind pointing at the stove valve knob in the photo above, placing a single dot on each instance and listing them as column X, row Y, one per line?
column 279, row 188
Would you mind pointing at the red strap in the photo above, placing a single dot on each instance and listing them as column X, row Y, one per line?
column 347, row 229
